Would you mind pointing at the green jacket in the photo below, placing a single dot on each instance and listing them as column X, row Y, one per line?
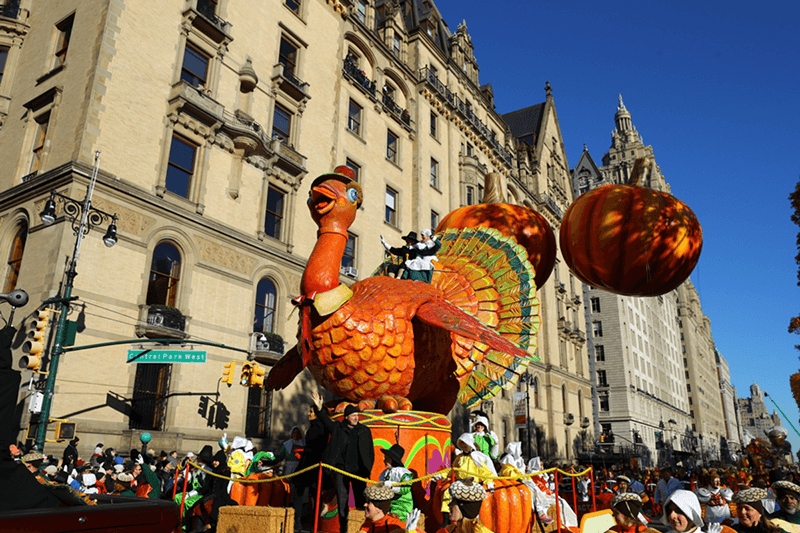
column 403, row 502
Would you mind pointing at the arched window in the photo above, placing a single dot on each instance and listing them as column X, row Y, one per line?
column 15, row 257
column 535, row 387
column 165, row 273
column 564, row 398
column 580, row 406
column 265, row 306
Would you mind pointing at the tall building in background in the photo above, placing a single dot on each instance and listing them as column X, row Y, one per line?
column 728, row 399
column 754, row 418
column 211, row 118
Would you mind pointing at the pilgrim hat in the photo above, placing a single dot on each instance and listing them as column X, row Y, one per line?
column 412, row 236
column 395, row 453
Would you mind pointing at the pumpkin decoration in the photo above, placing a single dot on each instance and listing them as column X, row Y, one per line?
column 527, row 227
column 508, row 508
column 630, row 239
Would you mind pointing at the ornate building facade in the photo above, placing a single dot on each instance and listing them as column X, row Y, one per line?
column 210, row 117
column 754, row 416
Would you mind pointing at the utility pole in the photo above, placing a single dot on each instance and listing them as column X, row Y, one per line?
column 89, row 217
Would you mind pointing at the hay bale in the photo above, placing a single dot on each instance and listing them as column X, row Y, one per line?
column 355, row 520
column 246, row 519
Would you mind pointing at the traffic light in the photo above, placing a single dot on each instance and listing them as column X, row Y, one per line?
column 227, row 373
column 203, row 409
column 35, row 345
column 65, row 431
column 248, row 369
column 257, row 379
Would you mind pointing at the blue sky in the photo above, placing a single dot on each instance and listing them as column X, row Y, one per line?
column 714, row 88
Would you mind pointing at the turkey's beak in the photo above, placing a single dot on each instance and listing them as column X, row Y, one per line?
column 323, row 198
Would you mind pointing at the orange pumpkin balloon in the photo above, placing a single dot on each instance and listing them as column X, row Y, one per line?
column 631, row 240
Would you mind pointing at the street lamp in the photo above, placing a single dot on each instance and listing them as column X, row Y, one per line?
column 527, row 379
column 83, row 217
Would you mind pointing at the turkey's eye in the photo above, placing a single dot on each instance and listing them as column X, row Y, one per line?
column 352, row 195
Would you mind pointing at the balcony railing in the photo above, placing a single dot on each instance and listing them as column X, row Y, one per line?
column 209, row 10
column 544, row 198
column 359, row 77
column 396, row 110
column 209, row 22
column 427, row 75
column 10, row 9
column 291, row 84
column 161, row 321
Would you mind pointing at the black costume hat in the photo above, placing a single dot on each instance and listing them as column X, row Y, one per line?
column 412, row 236
column 395, row 453
column 206, row 455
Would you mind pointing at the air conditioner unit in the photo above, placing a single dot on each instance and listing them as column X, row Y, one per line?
column 351, row 272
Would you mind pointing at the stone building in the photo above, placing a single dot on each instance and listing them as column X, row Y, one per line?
column 754, row 418
column 728, row 399
column 211, row 117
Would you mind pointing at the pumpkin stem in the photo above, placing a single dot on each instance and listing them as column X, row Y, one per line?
column 642, row 168
column 492, row 190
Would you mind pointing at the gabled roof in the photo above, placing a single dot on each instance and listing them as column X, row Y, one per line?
column 524, row 122
column 417, row 11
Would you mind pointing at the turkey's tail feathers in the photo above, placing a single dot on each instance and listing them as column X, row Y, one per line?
column 489, row 276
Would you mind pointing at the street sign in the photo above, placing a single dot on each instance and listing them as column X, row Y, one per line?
column 166, row 356
column 520, row 410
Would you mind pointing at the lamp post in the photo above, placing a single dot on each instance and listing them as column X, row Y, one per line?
column 531, row 432
column 702, row 453
column 83, row 218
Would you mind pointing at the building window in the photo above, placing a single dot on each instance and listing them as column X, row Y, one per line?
column 597, row 328
column 603, row 397
column 535, row 387
column 281, row 124
column 396, row 46
column 391, row 207
column 288, row 57
column 194, row 70
column 266, row 296
column 150, row 393
column 434, row 120
column 600, row 353
column 294, row 5
column 470, row 195
column 274, row 219
column 469, row 149
column 165, row 273
column 434, row 173
column 361, row 11
column 595, row 305
column 15, row 257
column 180, row 169
column 355, row 168
column 349, row 257
column 434, row 220
column 42, row 123
column 3, row 58
column 602, row 380
column 354, row 118
column 259, row 409
column 391, row 146
column 62, row 41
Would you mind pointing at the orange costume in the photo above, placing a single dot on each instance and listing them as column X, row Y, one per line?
column 387, row 524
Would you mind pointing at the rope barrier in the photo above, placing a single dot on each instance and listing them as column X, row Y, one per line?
column 441, row 473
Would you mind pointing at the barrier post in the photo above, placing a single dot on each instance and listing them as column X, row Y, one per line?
column 574, row 494
column 558, row 501
column 175, row 483
column 319, row 491
column 185, row 483
column 594, row 500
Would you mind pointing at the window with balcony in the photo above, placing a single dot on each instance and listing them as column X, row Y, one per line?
column 434, row 120
column 281, row 124
column 39, row 141
column 150, row 393
column 392, row 143
column 266, row 297
column 3, row 58
column 354, row 118
column 595, row 302
column 181, row 166
column 287, row 56
column 597, row 328
column 600, row 353
column 356, row 168
column 194, row 69
column 602, row 380
column 294, row 5
column 165, row 274
column 275, row 212
column 349, row 257
column 391, row 206
column 434, row 173
column 434, row 220
column 64, row 29
column 15, row 257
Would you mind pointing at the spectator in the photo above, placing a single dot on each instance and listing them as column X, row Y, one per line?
column 70, row 456
column 666, row 485
column 788, row 495
column 316, row 441
column 350, row 449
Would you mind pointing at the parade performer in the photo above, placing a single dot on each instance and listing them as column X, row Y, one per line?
column 626, row 507
column 682, row 514
column 750, row 512
column 485, row 440
column 716, row 498
column 403, row 502
column 466, row 497
column 788, row 495
column 378, row 500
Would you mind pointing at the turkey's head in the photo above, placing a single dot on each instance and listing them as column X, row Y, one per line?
column 334, row 199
